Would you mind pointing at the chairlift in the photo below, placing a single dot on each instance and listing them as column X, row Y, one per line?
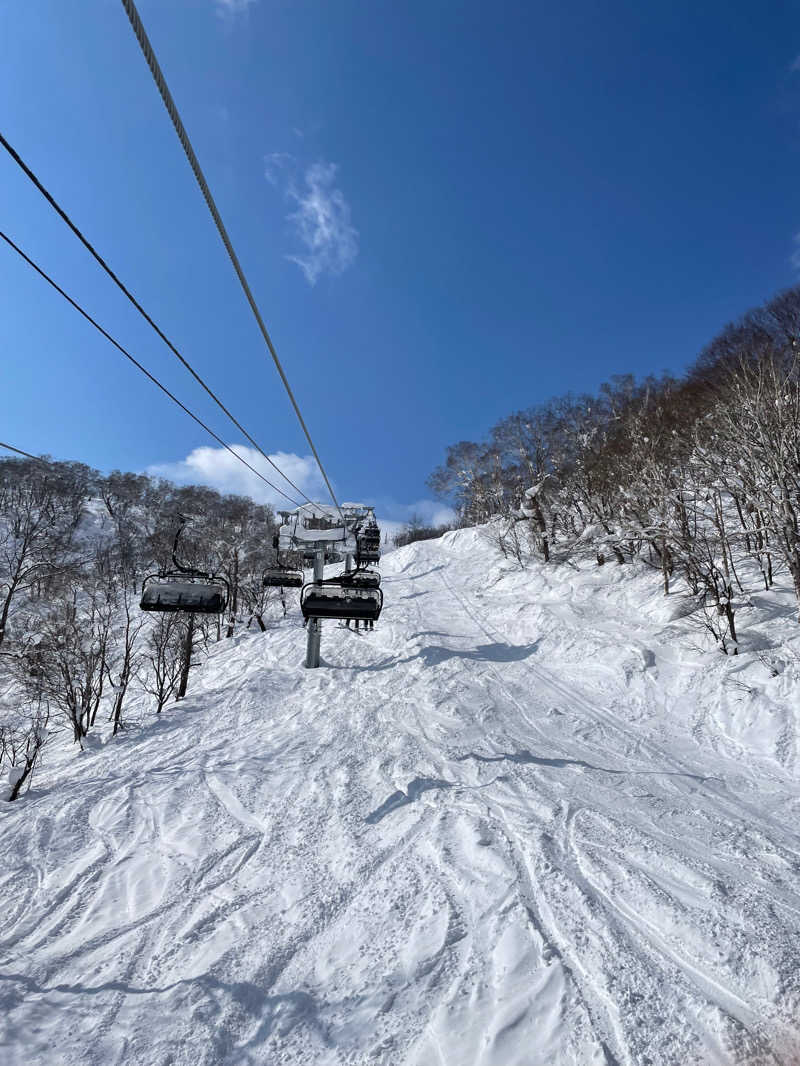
column 366, row 554
column 368, row 544
column 184, row 589
column 283, row 577
column 174, row 591
column 335, row 600
column 361, row 579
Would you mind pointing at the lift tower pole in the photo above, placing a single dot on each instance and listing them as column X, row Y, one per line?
column 315, row 624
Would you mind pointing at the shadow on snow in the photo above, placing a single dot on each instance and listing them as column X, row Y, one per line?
column 436, row 654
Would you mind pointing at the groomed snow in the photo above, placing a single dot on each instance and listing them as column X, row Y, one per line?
column 530, row 819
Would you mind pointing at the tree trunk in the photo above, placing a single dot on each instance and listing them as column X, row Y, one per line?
column 120, row 697
column 541, row 525
column 7, row 606
column 792, row 540
column 78, row 729
column 234, row 594
column 188, row 647
column 92, row 713
column 731, row 626
column 30, row 761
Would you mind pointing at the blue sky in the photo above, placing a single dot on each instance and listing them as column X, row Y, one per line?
column 447, row 211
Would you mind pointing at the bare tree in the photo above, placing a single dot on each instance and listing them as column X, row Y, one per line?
column 163, row 649
column 124, row 653
column 21, row 747
column 68, row 665
column 38, row 516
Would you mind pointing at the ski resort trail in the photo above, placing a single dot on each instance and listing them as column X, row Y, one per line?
column 514, row 825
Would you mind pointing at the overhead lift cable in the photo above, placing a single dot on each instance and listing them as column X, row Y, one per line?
column 19, row 451
column 139, row 366
column 172, row 110
column 93, row 251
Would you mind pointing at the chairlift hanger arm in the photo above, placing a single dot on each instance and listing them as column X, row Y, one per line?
column 192, row 571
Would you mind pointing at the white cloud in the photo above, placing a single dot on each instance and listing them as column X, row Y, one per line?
column 796, row 65
column 321, row 219
column 276, row 164
column 220, row 470
column 393, row 518
column 232, row 7
column 430, row 512
column 322, row 222
column 389, row 530
column 796, row 252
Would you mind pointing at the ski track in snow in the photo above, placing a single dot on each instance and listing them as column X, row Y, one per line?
column 509, row 827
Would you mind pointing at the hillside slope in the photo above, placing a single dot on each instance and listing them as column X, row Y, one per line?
column 524, row 821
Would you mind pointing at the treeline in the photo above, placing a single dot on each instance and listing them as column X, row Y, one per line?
column 416, row 530
column 75, row 547
column 698, row 475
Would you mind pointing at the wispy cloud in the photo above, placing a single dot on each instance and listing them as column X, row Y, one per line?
column 321, row 218
column 232, row 7
column 276, row 165
column 796, row 252
column 796, row 65
column 220, row 470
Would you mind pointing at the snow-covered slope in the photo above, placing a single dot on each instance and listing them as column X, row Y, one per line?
column 524, row 821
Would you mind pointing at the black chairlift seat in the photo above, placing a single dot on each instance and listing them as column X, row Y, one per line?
column 368, row 544
column 360, row 579
column 367, row 555
column 283, row 577
column 180, row 594
column 333, row 600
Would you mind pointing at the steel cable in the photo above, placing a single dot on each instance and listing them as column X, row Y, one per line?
column 19, row 451
column 172, row 110
column 139, row 366
column 93, row 251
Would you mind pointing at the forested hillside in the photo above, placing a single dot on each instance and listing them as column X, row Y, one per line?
column 75, row 547
column 698, row 475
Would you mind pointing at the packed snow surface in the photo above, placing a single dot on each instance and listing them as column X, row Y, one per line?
column 531, row 818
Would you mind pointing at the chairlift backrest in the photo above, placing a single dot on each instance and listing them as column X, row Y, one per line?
column 283, row 577
column 320, row 522
column 333, row 600
column 365, row 554
column 364, row 579
column 368, row 544
column 178, row 594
